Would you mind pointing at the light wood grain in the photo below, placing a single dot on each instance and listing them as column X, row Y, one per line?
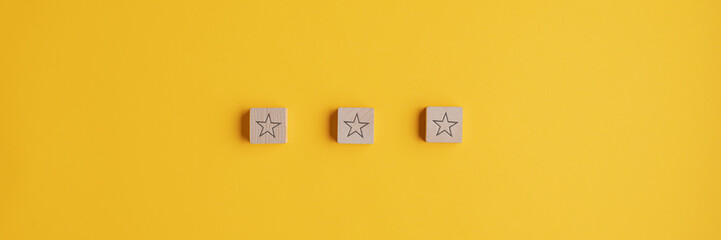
column 444, row 124
column 355, row 125
column 268, row 125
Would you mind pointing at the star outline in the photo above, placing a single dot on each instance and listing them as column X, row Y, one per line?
column 263, row 131
column 445, row 119
column 360, row 129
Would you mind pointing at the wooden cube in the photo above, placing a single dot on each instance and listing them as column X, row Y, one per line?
column 355, row 125
column 444, row 124
column 268, row 125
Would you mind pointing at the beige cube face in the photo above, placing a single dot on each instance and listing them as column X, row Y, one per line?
column 268, row 125
column 444, row 124
column 355, row 125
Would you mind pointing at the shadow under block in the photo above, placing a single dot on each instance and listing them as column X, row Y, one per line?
column 444, row 124
column 355, row 125
column 268, row 125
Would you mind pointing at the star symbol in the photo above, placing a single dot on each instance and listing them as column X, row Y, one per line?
column 356, row 126
column 446, row 125
column 267, row 126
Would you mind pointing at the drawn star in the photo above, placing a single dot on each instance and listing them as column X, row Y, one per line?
column 356, row 126
column 267, row 126
column 444, row 125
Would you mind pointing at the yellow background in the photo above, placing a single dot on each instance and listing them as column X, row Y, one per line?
column 582, row 119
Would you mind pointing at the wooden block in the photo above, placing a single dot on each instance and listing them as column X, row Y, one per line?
column 268, row 125
column 444, row 124
column 355, row 125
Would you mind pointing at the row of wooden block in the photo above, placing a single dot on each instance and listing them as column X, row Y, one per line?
column 355, row 125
